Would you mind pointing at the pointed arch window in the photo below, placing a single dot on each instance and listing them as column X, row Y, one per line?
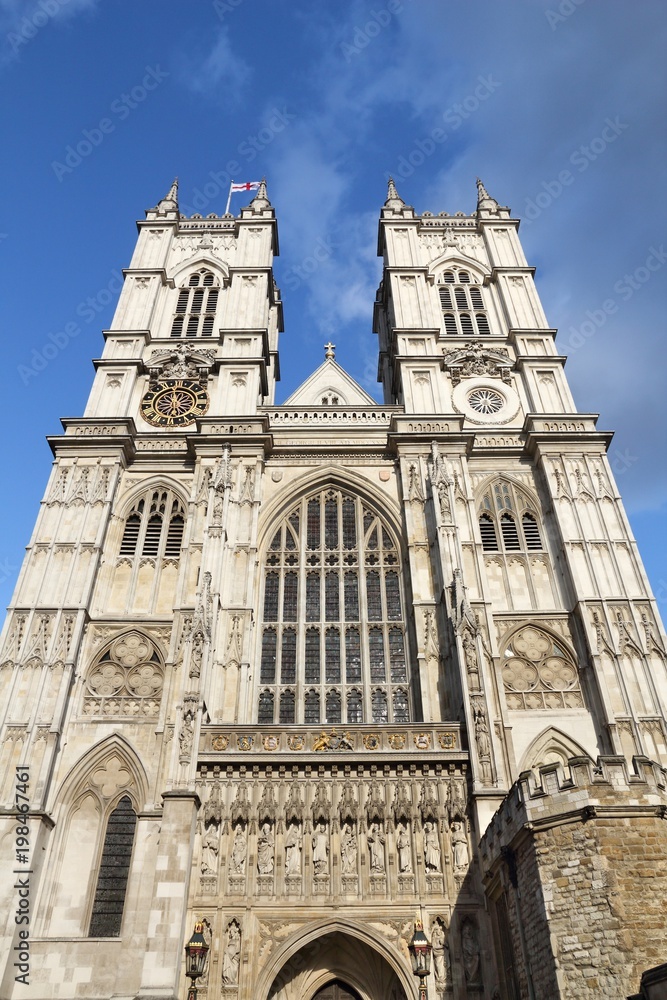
column 507, row 516
column 114, row 870
column 196, row 306
column 462, row 304
column 154, row 526
column 333, row 630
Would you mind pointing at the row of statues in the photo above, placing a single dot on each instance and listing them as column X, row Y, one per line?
column 349, row 847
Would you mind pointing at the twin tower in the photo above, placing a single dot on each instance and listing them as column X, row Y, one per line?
column 307, row 673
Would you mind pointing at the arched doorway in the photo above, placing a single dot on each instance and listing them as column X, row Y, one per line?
column 337, row 966
column 336, row 991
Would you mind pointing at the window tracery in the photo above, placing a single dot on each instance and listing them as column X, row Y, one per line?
column 508, row 520
column 333, row 645
column 126, row 680
column 538, row 673
column 154, row 527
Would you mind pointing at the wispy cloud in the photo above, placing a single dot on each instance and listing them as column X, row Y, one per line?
column 362, row 111
column 222, row 74
column 23, row 20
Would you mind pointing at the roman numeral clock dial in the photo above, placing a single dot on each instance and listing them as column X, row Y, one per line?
column 174, row 403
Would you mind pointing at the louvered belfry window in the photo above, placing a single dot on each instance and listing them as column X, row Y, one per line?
column 333, row 648
column 462, row 304
column 508, row 520
column 196, row 306
column 154, row 527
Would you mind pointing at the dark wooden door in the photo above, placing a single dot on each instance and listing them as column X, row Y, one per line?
column 336, row 991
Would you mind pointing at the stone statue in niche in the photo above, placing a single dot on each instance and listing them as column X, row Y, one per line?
column 472, row 661
column 376, row 841
column 265, row 850
column 460, row 848
column 348, row 851
column 441, row 959
column 232, row 956
column 403, row 849
column 196, row 654
column 293, row 850
column 321, row 850
column 470, row 951
column 432, row 858
column 238, row 856
column 210, row 849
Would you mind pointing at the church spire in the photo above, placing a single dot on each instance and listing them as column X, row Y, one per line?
column 261, row 201
column 485, row 203
column 170, row 202
column 394, row 200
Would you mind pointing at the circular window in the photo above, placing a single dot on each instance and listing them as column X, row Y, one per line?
column 485, row 400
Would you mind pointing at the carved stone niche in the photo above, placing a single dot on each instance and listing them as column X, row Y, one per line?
column 349, row 884
column 378, row 885
column 406, row 885
column 293, row 885
column 321, row 885
column 434, row 882
column 237, row 885
column 208, row 885
column 265, row 885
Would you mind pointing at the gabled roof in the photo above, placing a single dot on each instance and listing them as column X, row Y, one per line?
column 330, row 385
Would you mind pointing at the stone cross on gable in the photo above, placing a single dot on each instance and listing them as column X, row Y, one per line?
column 330, row 351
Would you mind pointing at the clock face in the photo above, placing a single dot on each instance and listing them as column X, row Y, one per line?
column 175, row 403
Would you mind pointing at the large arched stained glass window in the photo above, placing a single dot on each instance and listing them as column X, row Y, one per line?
column 333, row 646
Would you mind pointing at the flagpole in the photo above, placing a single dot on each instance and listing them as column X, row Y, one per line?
column 229, row 197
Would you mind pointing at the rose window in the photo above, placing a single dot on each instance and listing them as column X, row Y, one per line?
column 485, row 401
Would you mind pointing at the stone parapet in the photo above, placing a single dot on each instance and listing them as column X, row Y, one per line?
column 605, row 789
column 576, row 873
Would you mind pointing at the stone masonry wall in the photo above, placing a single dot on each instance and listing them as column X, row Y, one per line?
column 584, row 866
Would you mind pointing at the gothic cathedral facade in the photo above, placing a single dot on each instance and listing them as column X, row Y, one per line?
column 308, row 673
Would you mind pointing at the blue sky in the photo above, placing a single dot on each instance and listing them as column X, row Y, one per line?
column 559, row 105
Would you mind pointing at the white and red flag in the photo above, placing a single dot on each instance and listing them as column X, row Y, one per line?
column 246, row 186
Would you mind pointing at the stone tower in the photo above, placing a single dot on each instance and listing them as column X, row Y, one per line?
column 309, row 673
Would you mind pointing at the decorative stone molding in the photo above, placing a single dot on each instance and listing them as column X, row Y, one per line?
column 413, row 738
column 475, row 360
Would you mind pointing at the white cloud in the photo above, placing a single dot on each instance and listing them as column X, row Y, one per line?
column 23, row 20
column 223, row 73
